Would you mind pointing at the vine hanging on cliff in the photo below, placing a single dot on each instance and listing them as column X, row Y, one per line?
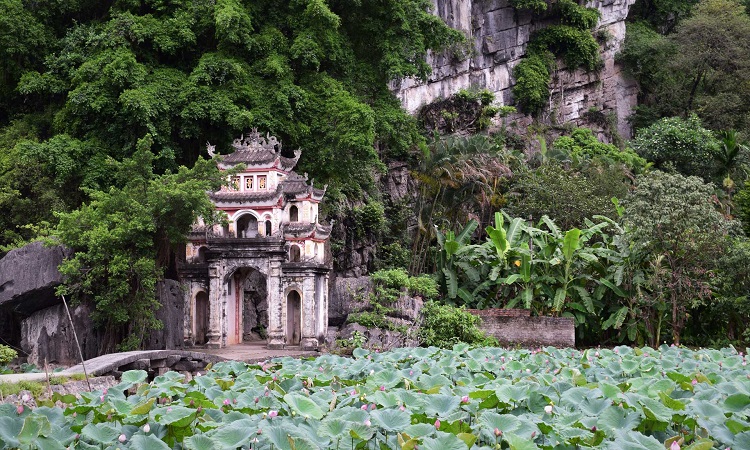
column 571, row 40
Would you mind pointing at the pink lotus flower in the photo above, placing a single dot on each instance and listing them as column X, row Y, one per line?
column 437, row 423
column 675, row 446
column 367, row 422
column 226, row 401
column 25, row 398
column 146, row 428
column 373, row 406
column 363, row 407
column 465, row 399
column 382, row 388
column 548, row 409
column 19, row 409
column 402, row 408
column 498, row 433
column 122, row 438
column 273, row 413
column 694, row 381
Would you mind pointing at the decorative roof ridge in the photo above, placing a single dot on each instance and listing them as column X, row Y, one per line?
column 253, row 148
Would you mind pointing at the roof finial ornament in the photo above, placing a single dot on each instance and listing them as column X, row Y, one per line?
column 211, row 149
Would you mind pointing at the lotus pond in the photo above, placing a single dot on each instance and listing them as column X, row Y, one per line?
column 418, row 398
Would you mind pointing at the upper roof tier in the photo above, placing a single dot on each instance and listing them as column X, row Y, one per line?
column 257, row 151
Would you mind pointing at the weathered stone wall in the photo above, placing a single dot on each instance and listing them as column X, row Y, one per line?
column 514, row 329
column 498, row 35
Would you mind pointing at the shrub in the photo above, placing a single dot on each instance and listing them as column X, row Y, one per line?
column 7, row 354
column 682, row 145
column 445, row 325
column 582, row 144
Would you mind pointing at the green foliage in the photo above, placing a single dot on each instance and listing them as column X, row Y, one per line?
column 122, row 239
column 537, row 6
column 7, row 354
column 570, row 40
column 444, row 326
column 571, row 13
column 742, row 200
column 567, row 196
column 663, row 15
column 369, row 219
column 679, row 144
column 467, row 111
column 577, row 47
column 701, row 67
column 88, row 80
column 532, row 75
column 582, row 144
column 671, row 219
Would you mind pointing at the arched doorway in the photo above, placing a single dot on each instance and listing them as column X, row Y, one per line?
column 201, row 317
column 293, row 214
column 293, row 318
column 247, row 307
column 268, row 227
column 247, row 226
column 254, row 307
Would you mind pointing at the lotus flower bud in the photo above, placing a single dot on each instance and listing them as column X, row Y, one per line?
column 146, row 428
column 273, row 413
column 437, row 423
column 122, row 438
column 498, row 433
column 675, row 446
column 367, row 422
column 19, row 409
column 548, row 409
column 465, row 399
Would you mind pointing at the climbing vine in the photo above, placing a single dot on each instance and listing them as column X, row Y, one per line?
column 571, row 40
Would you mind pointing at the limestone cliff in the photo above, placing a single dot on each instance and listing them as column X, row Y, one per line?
column 497, row 36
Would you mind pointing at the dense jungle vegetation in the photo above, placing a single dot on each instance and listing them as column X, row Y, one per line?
column 106, row 106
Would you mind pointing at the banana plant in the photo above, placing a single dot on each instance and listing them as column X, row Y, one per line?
column 450, row 245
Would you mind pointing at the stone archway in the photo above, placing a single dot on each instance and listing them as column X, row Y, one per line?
column 201, row 318
column 293, row 318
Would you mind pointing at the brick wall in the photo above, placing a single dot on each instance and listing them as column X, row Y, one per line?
column 514, row 328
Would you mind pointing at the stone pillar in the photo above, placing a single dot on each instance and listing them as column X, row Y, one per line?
column 276, row 305
column 216, row 305
column 188, row 296
column 309, row 316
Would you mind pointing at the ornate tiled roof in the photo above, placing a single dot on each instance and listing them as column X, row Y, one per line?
column 255, row 150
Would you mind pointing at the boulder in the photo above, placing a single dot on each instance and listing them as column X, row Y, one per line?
column 345, row 296
column 29, row 276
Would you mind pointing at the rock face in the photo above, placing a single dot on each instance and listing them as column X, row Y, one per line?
column 498, row 35
column 172, row 316
column 29, row 276
column 47, row 335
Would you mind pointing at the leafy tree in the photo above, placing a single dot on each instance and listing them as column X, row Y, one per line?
column 567, row 196
column 123, row 237
column 445, row 325
column 682, row 145
column 701, row 68
column 671, row 218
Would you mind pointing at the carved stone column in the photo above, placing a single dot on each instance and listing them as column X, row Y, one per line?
column 309, row 338
column 276, row 305
column 216, row 304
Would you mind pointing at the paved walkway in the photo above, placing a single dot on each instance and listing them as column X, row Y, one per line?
column 251, row 353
